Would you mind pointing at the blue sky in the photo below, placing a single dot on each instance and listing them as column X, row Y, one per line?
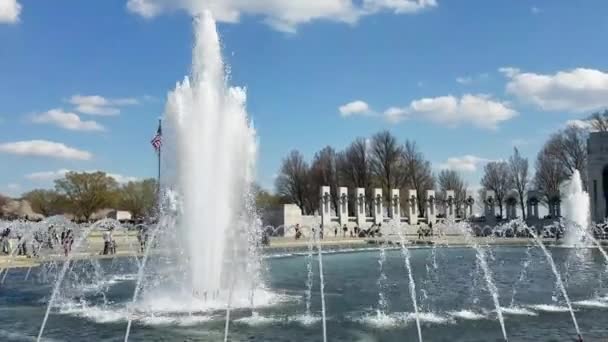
column 82, row 83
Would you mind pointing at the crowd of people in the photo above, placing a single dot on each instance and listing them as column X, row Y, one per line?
column 355, row 232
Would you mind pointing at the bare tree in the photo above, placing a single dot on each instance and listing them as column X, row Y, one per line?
column 452, row 180
column 386, row 161
column 550, row 173
column 323, row 171
column 599, row 121
column 569, row 147
column 496, row 178
column 354, row 169
column 518, row 167
column 292, row 183
column 419, row 174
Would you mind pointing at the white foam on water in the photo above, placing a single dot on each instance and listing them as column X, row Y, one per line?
column 468, row 315
column 94, row 313
column 183, row 321
column 428, row 317
column 517, row 310
column 592, row 303
column 258, row 320
column 105, row 283
column 14, row 335
column 549, row 308
column 164, row 302
column 305, row 320
column 381, row 320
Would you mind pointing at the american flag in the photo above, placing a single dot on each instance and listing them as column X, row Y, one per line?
column 157, row 141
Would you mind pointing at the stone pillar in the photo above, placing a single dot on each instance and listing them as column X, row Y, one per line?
column 395, row 206
column 450, row 205
column 325, row 206
column 378, row 206
column 533, row 198
column 412, row 204
column 469, row 202
column 431, row 207
column 511, row 204
column 343, row 202
column 360, row 207
column 490, row 207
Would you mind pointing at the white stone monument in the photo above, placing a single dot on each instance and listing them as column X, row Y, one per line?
column 533, row 199
column 395, row 206
column 325, row 206
column 450, row 204
column 469, row 202
column 360, row 207
column 378, row 206
column 343, row 203
column 597, row 175
column 431, row 207
column 412, row 207
column 490, row 207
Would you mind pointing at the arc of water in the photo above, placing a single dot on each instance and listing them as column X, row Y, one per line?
column 483, row 263
column 322, row 288
column 310, row 274
column 62, row 273
column 558, row 278
column 140, row 275
column 405, row 252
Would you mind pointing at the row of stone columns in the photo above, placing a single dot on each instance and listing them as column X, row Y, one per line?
column 394, row 210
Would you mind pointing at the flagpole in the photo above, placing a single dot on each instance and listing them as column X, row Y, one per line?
column 159, row 156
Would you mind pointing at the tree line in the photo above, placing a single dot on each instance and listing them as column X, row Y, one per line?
column 83, row 194
column 383, row 162
column 380, row 161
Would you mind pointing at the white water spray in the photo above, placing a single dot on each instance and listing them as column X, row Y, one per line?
column 575, row 210
column 405, row 252
column 210, row 152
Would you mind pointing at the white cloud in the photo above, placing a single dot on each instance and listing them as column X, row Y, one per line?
column 66, row 120
column 357, row 107
column 283, row 15
column 52, row 175
column 464, row 79
column 577, row 90
column 9, row 11
column 582, row 124
column 99, row 105
column 479, row 110
column 468, row 163
column 44, row 148
column 535, row 10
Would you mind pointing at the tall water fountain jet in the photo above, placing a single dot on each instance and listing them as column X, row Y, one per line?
column 210, row 149
column 575, row 210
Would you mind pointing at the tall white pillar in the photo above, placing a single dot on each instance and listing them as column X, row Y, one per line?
column 412, row 205
column 469, row 202
column 360, row 207
column 325, row 206
column 343, row 203
column 431, row 207
column 450, row 204
column 490, row 207
column 395, row 205
column 378, row 206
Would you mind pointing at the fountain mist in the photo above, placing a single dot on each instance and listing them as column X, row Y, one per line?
column 576, row 210
column 210, row 148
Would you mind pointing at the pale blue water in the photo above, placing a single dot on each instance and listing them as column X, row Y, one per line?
column 351, row 299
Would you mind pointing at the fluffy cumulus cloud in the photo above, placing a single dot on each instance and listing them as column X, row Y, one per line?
column 9, row 11
column 99, row 105
column 577, row 90
column 66, row 120
column 283, row 15
column 354, row 108
column 478, row 110
column 466, row 163
column 45, row 176
column 44, row 148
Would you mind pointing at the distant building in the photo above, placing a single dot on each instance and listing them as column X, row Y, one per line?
column 597, row 174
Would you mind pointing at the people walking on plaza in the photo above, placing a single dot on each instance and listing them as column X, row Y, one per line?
column 344, row 230
column 5, row 242
column 67, row 241
column 107, row 241
column 336, row 232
